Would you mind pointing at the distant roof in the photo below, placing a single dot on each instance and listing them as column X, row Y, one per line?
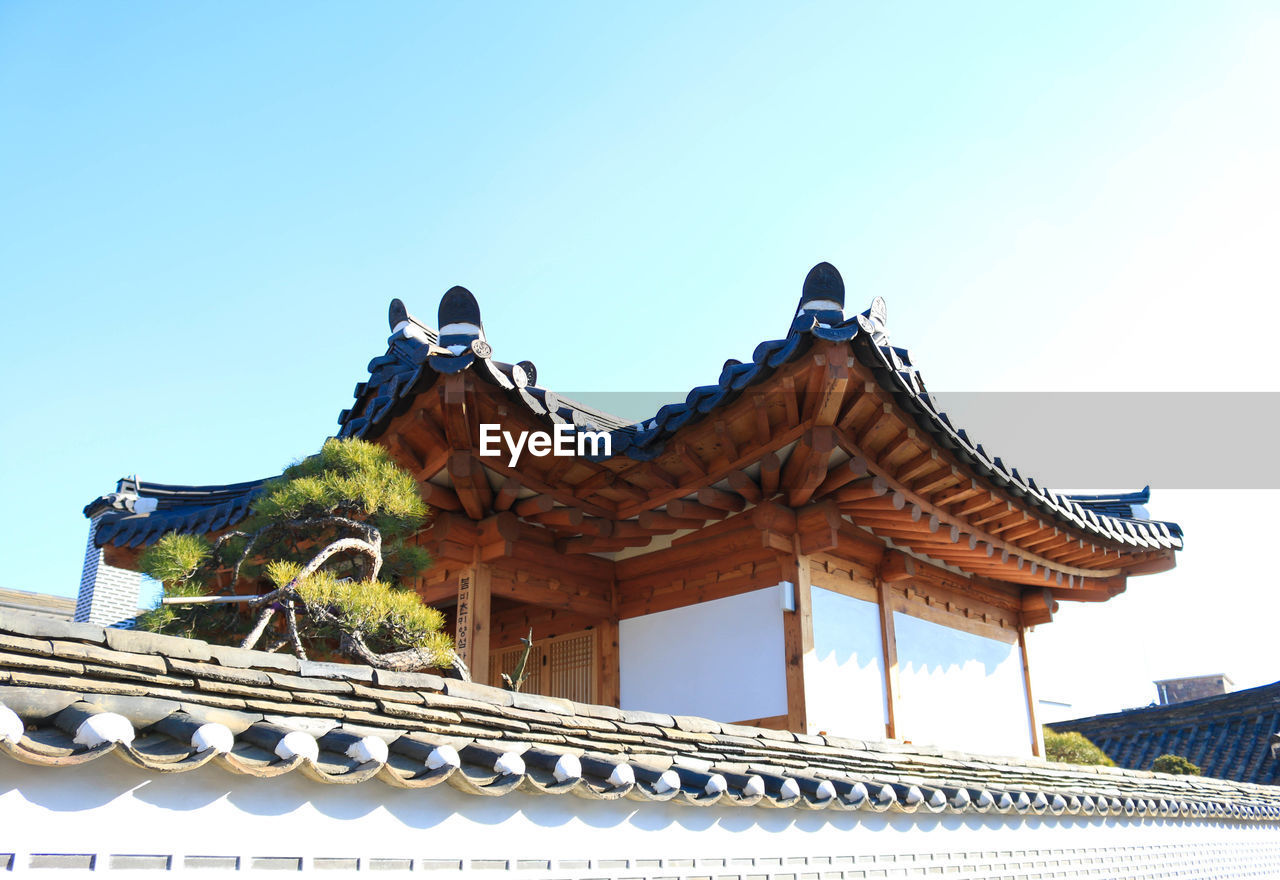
column 138, row 512
column 1227, row 736
column 62, row 607
column 181, row 704
column 1119, row 504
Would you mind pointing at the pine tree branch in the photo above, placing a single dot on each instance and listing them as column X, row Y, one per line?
column 259, row 627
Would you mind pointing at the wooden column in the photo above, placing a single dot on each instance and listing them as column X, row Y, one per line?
column 797, row 631
column 608, row 675
column 472, row 636
column 1037, row 734
column 608, row 666
column 889, row 645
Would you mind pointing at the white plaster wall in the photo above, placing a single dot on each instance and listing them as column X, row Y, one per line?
column 722, row 659
column 844, row 676
column 109, row 808
column 958, row 690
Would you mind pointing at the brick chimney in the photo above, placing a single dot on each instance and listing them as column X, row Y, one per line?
column 108, row 595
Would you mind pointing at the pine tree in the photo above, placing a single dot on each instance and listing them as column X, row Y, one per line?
column 326, row 547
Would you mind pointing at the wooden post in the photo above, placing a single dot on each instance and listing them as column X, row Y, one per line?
column 471, row 639
column 608, row 666
column 1037, row 734
column 797, row 631
column 608, row 676
column 889, row 644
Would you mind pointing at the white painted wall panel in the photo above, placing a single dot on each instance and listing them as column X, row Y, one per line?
column 722, row 659
column 844, row 676
column 959, row 690
column 107, row 809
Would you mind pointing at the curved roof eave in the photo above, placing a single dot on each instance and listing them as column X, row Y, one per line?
column 412, row 363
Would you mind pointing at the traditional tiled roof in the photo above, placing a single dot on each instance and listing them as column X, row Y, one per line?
column 1228, row 736
column 62, row 607
column 1121, row 504
column 414, row 360
column 417, row 356
column 74, row 693
column 138, row 513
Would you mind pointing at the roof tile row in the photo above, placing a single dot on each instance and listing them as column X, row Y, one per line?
column 71, row 693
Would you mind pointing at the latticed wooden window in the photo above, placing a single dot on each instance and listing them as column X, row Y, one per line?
column 563, row 666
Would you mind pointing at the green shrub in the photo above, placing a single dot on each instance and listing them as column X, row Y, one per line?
column 326, row 544
column 1073, row 748
column 1175, row 764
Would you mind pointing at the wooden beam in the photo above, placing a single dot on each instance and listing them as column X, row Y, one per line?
column 770, row 472
column 718, row 499
column 682, row 509
column 637, row 601
column 818, row 527
column 507, row 494
column 551, row 596
column 827, row 396
column 470, row 484
column 440, row 497
column 896, row 567
column 727, row 446
column 593, row 544
column 409, row 456
column 841, row 475
column 558, row 516
column 810, row 465
column 659, row 521
column 724, row 546
column 745, row 486
column 537, row 504
column 456, row 413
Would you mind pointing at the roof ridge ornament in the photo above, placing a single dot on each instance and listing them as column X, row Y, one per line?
column 874, row 321
column 822, row 297
column 460, row 327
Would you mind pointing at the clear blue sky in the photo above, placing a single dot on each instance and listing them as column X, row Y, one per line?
column 205, row 209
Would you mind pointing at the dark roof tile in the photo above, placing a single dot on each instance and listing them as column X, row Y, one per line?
column 504, row 747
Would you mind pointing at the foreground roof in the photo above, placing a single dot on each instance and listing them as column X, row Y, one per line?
column 169, row 705
column 1228, row 736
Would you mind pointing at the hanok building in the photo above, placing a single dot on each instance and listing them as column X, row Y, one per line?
column 806, row 544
